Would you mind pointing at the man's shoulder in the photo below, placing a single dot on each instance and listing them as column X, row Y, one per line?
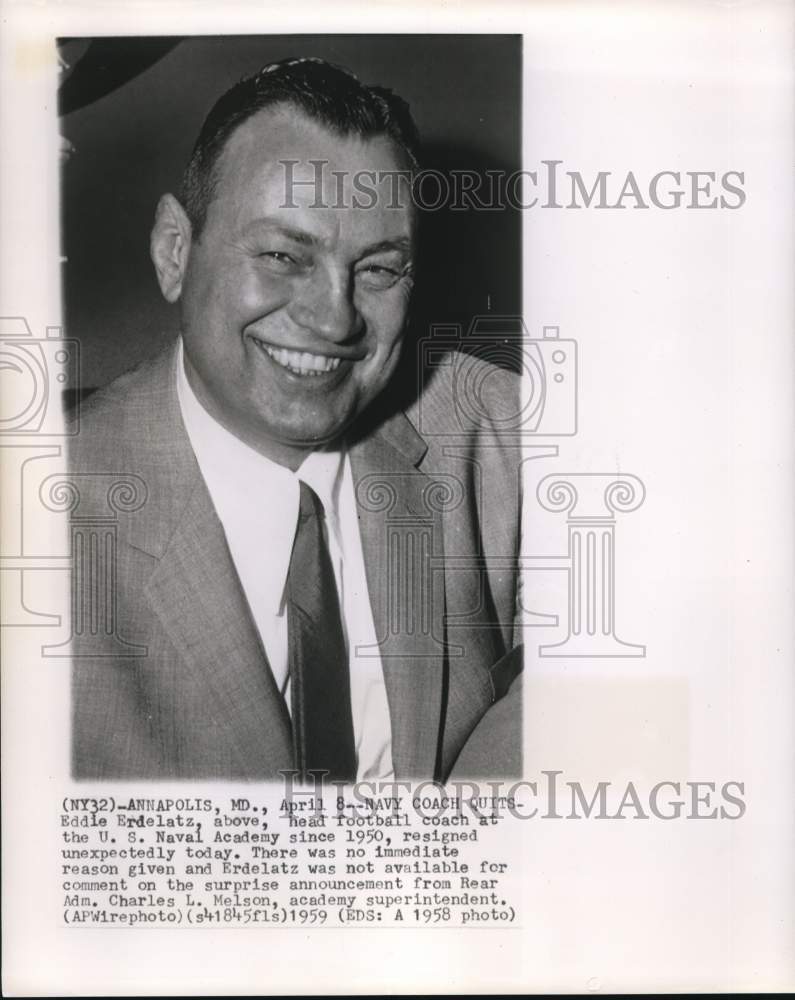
column 117, row 414
column 466, row 395
column 130, row 436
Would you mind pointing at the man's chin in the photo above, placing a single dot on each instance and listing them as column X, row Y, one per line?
column 323, row 439
column 290, row 448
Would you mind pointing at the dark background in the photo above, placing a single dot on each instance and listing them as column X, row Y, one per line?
column 132, row 107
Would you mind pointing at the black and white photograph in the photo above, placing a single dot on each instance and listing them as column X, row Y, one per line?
column 396, row 537
column 308, row 570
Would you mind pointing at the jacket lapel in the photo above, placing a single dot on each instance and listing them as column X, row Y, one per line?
column 196, row 594
column 402, row 544
column 194, row 589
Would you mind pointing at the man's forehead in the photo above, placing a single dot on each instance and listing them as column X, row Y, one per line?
column 285, row 135
column 287, row 163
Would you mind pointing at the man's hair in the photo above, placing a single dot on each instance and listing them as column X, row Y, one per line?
column 328, row 94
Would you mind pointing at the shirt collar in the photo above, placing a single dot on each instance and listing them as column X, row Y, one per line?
column 255, row 498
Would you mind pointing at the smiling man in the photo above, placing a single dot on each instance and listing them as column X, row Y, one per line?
column 310, row 584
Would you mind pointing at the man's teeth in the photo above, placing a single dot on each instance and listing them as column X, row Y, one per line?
column 301, row 362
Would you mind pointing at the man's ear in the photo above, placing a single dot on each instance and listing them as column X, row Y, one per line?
column 169, row 246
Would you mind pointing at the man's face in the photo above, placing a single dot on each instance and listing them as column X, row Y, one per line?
column 293, row 315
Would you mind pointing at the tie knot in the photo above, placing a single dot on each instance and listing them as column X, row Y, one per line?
column 310, row 504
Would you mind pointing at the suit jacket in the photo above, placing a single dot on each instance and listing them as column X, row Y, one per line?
column 170, row 679
column 494, row 748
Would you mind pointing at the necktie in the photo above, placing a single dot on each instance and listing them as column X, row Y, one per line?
column 319, row 679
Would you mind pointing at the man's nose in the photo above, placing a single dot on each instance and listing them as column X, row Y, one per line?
column 325, row 306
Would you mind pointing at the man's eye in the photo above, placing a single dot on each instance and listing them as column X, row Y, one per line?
column 279, row 260
column 377, row 276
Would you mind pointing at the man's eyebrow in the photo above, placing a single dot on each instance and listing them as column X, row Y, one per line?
column 403, row 244
column 275, row 225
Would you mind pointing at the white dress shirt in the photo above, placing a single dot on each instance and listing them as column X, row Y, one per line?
column 257, row 503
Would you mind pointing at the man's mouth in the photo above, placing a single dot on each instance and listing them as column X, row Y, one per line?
column 301, row 362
